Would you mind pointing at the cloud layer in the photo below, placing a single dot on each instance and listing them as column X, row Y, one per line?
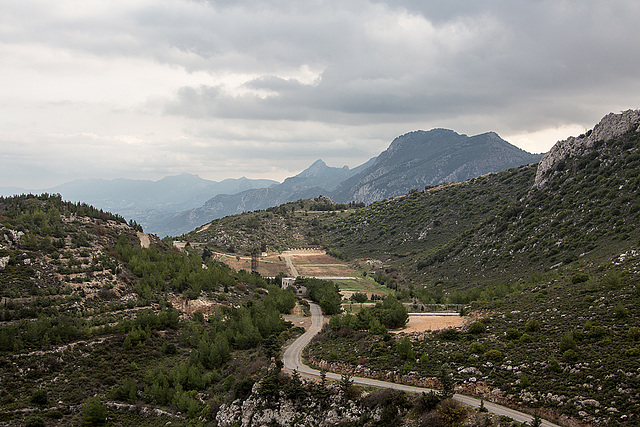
column 263, row 88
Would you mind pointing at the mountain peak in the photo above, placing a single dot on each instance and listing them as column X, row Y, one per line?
column 318, row 168
column 610, row 127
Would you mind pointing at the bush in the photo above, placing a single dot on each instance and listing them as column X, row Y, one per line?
column 512, row 334
column 570, row 356
column 634, row 333
column 553, row 365
column 620, row 312
column 632, row 352
column 34, row 422
column 40, row 398
column 532, row 326
column 526, row 338
column 476, row 348
column 451, row 413
column 567, row 342
column 477, row 328
column 493, row 355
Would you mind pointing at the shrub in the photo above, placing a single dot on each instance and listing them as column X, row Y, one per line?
column 476, row 348
column 477, row 328
column 451, row 413
column 632, row 352
column 532, row 326
column 512, row 334
column 34, row 422
column 634, row 333
column 597, row 332
column 620, row 312
column 493, row 355
column 579, row 278
column 526, row 338
column 449, row 334
column 39, row 398
column 567, row 342
column 570, row 356
column 553, row 365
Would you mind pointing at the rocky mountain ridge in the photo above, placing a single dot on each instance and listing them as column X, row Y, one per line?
column 610, row 127
column 425, row 158
column 412, row 161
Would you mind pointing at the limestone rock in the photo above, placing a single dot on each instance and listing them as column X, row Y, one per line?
column 610, row 127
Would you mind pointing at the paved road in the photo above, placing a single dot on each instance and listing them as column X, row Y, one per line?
column 292, row 360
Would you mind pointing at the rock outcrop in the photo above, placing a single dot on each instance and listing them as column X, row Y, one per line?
column 610, row 127
column 282, row 411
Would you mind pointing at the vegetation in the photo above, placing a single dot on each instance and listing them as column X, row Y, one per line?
column 93, row 320
column 557, row 267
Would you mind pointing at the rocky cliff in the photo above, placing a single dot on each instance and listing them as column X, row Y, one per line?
column 611, row 126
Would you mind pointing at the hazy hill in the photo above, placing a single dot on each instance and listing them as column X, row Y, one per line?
column 316, row 180
column 144, row 201
column 413, row 160
column 418, row 159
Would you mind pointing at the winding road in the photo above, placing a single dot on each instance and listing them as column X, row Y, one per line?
column 292, row 360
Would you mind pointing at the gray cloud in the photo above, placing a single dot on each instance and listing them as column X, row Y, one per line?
column 188, row 85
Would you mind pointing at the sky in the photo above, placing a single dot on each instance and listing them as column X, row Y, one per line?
column 142, row 89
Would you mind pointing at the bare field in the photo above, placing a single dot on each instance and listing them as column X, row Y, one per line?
column 313, row 258
column 325, row 270
column 431, row 323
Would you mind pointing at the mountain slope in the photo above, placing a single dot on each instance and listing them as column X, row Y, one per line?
column 314, row 181
column 418, row 159
column 413, row 160
column 551, row 269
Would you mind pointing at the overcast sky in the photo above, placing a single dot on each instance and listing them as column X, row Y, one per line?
column 147, row 88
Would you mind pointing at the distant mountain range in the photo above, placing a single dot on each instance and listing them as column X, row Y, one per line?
column 412, row 161
column 178, row 204
column 317, row 179
column 143, row 200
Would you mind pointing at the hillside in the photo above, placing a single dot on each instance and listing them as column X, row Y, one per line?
column 550, row 266
column 147, row 202
column 414, row 160
column 101, row 324
column 497, row 227
column 92, row 307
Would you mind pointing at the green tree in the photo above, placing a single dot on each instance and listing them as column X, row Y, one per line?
column 93, row 412
column 359, row 297
column 446, row 383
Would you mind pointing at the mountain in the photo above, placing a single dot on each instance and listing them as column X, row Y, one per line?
column 546, row 257
column 424, row 158
column 316, row 180
column 414, row 160
column 501, row 226
column 146, row 201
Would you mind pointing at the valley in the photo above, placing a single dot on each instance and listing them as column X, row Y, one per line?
column 105, row 324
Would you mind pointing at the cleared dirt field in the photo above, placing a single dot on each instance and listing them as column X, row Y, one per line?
column 333, row 270
column 431, row 323
column 313, row 258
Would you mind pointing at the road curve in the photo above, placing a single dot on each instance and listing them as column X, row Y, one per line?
column 292, row 360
